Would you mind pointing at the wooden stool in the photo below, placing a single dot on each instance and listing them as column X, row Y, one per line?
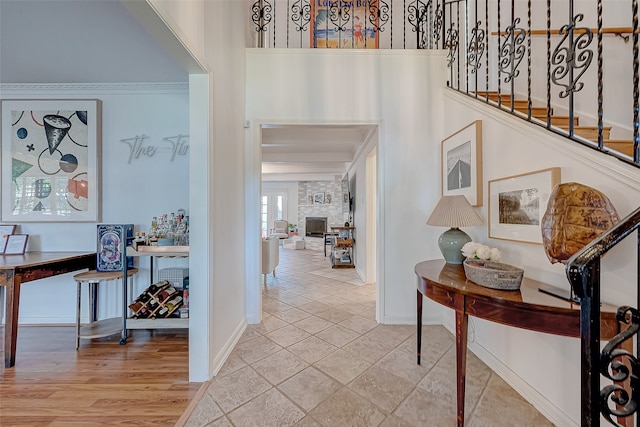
column 105, row 327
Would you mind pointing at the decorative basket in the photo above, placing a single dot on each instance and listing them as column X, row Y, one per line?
column 494, row 275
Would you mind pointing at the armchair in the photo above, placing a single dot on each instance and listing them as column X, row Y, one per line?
column 280, row 229
column 270, row 256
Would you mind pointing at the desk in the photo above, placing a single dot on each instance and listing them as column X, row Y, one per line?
column 18, row 269
column 526, row 309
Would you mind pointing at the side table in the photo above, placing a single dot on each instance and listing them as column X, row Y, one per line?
column 97, row 328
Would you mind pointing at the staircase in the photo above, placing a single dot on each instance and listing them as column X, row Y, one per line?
column 562, row 122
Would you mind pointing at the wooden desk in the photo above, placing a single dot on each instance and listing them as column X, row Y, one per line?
column 18, row 269
column 527, row 309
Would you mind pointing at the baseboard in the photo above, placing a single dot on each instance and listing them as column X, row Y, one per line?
column 411, row 320
column 221, row 357
column 531, row 395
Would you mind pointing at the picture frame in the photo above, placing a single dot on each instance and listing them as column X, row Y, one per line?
column 318, row 198
column 16, row 244
column 6, row 229
column 346, row 26
column 517, row 204
column 50, row 164
column 461, row 163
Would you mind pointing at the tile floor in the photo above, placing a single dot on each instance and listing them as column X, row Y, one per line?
column 319, row 358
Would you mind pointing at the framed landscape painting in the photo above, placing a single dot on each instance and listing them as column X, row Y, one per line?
column 461, row 163
column 518, row 203
column 50, row 160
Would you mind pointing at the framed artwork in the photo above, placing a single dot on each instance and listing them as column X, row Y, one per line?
column 318, row 198
column 343, row 25
column 461, row 163
column 518, row 203
column 50, row 160
column 16, row 244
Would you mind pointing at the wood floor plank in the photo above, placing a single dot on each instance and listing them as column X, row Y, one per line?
column 143, row 383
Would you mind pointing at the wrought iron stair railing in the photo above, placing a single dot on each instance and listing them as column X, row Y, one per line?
column 613, row 362
column 543, row 60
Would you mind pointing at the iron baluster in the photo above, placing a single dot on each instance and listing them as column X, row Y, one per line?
column 575, row 56
column 612, row 366
column 600, row 81
column 512, row 51
column 340, row 17
column 451, row 43
column 301, row 14
column 636, row 116
column 548, row 64
column 261, row 15
column 378, row 14
column 438, row 22
column 417, row 18
column 476, row 48
column 287, row 42
column 529, row 60
column 486, row 61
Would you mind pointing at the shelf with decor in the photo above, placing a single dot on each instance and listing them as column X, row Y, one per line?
column 342, row 245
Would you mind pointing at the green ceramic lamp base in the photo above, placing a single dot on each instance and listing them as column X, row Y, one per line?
column 450, row 244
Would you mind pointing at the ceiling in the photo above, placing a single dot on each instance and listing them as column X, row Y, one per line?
column 101, row 41
column 310, row 152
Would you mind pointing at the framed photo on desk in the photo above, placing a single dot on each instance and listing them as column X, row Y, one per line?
column 5, row 231
column 16, row 244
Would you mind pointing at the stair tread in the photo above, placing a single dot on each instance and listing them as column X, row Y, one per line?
column 540, row 113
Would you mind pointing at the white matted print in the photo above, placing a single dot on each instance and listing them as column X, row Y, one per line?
column 50, row 160
column 518, row 203
column 461, row 163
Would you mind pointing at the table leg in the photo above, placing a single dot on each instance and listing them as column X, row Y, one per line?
column 462, row 322
column 419, row 323
column 78, row 306
column 1, row 302
column 12, row 299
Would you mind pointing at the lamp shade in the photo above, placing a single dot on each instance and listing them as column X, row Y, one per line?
column 454, row 211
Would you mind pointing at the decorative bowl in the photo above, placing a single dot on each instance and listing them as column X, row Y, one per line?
column 494, row 275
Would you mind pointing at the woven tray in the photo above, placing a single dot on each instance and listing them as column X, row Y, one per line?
column 494, row 275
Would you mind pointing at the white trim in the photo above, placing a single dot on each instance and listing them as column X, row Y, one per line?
column 430, row 319
column 350, row 52
column 22, row 89
column 217, row 363
column 380, row 234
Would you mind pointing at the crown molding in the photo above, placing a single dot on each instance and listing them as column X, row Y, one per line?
column 22, row 89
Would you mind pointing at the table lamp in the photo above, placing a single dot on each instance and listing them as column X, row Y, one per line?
column 454, row 212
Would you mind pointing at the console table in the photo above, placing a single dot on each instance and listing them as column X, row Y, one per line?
column 18, row 269
column 527, row 308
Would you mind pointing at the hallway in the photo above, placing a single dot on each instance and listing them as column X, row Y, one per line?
column 319, row 358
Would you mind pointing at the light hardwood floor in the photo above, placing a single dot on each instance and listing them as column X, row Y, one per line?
column 143, row 383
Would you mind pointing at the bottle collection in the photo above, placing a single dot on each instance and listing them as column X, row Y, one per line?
column 168, row 230
column 159, row 300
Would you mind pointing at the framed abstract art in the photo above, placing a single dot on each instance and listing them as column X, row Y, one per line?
column 50, row 160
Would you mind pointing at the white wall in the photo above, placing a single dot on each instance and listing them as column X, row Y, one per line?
column 132, row 191
column 400, row 91
column 225, row 45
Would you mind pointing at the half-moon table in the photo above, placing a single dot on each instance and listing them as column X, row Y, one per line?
column 527, row 308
